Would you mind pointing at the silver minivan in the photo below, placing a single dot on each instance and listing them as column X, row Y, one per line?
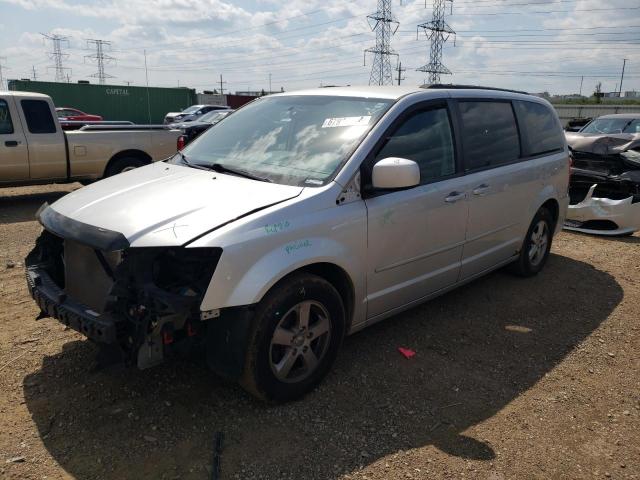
column 299, row 219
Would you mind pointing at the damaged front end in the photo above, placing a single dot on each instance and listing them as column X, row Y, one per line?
column 140, row 304
column 604, row 187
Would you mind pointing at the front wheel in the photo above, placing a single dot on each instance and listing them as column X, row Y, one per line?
column 536, row 246
column 297, row 331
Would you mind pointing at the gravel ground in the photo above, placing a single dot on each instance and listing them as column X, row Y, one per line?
column 512, row 379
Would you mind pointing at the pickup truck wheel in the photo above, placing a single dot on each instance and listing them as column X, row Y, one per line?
column 536, row 245
column 123, row 164
column 296, row 333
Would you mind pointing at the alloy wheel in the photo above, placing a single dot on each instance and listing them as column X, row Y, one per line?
column 300, row 341
column 538, row 243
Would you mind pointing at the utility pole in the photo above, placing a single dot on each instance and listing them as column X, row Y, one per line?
column 100, row 57
column 269, row 83
column 33, row 73
column 146, row 74
column 400, row 71
column 581, row 80
column 385, row 25
column 221, row 85
column 438, row 31
column 624, row 62
column 57, row 55
column 1, row 77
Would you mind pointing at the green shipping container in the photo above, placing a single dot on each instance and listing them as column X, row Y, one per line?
column 113, row 102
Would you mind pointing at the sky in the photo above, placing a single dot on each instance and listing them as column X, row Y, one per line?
column 531, row 45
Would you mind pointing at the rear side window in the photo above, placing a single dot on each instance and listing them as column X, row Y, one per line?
column 542, row 131
column 6, row 126
column 38, row 116
column 489, row 134
column 425, row 137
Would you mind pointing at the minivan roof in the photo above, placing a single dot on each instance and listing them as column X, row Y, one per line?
column 395, row 92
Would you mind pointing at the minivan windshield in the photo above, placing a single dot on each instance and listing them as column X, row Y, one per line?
column 294, row 139
column 612, row 125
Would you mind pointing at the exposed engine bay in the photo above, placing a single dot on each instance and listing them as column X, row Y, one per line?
column 137, row 303
column 604, row 187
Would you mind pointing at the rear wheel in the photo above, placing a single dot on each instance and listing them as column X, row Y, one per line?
column 297, row 331
column 123, row 164
column 536, row 245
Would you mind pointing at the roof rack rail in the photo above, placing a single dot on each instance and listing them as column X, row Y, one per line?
column 470, row 87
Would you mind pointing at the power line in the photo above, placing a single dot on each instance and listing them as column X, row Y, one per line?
column 57, row 55
column 385, row 26
column 438, row 31
column 160, row 45
column 100, row 58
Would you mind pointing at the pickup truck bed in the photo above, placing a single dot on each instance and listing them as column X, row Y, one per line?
column 35, row 149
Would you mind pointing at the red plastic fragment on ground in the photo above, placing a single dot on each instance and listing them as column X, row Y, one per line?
column 407, row 352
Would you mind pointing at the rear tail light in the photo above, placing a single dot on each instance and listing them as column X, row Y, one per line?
column 182, row 142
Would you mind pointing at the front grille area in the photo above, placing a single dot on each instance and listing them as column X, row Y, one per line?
column 88, row 274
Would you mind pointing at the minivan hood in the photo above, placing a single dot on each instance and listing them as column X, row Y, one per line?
column 168, row 205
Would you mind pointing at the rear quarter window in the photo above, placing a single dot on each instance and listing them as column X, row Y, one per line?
column 6, row 126
column 489, row 134
column 38, row 116
column 542, row 132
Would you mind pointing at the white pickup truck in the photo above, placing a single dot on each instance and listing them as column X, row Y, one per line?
column 34, row 149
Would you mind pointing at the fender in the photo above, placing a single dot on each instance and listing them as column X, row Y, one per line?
column 249, row 287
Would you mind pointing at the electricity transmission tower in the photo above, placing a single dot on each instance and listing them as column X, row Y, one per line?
column 438, row 31
column 101, row 58
column 385, row 25
column 57, row 55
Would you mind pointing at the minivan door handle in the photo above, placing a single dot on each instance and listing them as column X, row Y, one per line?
column 11, row 143
column 481, row 190
column 453, row 197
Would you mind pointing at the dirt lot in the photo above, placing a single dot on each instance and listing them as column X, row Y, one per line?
column 513, row 378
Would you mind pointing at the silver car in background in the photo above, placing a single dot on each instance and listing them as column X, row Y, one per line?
column 301, row 218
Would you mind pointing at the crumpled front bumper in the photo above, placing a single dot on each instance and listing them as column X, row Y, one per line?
column 621, row 217
column 141, row 302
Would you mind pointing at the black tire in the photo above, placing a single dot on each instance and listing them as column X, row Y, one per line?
column 525, row 265
column 123, row 164
column 276, row 309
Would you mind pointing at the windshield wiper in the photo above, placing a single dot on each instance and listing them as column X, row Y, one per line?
column 220, row 168
column 184, row 159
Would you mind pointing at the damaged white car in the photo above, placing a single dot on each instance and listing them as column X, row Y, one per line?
column 605, row 177
column 301, row 218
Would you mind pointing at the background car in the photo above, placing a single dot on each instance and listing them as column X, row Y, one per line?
column 191, row 113
column 575, row 124
column 73, row 114
column 191, row 130
column 612, row 124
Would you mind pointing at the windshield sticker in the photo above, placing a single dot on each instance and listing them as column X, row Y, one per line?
column 346, row 122
column 313, row 181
